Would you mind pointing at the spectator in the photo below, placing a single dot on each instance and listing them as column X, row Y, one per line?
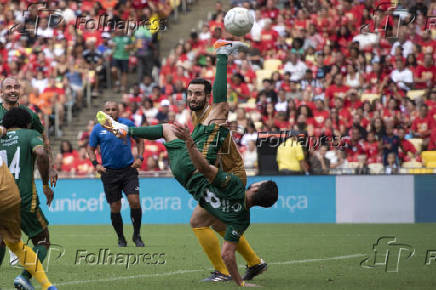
column 67, row 157
column 422, row 125
column 391, row 166
column 121, row 44
column 144, row 50
column 290, row 157
column 162, row 115
column 406, row 150
column 250, row 156
column 319, row 164
column 390, row 144
column 402, row 76
column 296, row 67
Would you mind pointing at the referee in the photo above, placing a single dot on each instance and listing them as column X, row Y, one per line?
column 118, row 173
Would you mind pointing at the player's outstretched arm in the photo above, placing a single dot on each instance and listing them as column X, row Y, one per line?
column 202, row 165
column 228, row 255
column 43, row 164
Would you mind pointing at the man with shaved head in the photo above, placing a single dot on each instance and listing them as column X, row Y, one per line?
column 118, row 173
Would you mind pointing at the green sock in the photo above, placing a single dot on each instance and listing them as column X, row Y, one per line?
column 41, row 252
column 2, row 253
column 220, row 83
column 150, row 132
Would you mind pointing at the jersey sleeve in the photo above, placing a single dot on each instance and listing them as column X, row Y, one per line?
column 93, row 138
column 36, row 122
column 222, row 179
column 36, row 140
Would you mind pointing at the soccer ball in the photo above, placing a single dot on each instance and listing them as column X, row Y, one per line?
column 238, row 21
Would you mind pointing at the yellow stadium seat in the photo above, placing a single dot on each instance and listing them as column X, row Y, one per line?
column 369, row 97
column 414, row 94
column 375, row 168
column 431, row 164
column 428, row 156
column 412, row 164
column 417, row 143
column 261, row 75
column 272, row 64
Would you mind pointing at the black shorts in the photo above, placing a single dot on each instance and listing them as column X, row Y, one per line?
column 117, row 180
column 121, row 64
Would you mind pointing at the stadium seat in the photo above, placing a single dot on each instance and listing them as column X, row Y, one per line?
column 431, row 164
column 369, row 97
column 353, row 164
column 375, row 168
column 261, row 75
column 415, row 94
column 417, row 142
column 412, row 164
column 428, row 157
column 272, row 64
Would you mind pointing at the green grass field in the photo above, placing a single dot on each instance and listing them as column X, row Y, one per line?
column 300, row 256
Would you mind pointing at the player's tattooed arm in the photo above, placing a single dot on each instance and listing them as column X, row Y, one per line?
column 43, row 164
column 202, row 165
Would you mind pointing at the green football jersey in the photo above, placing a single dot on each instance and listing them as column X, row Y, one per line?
column 16, row 148
column 225, row 200
column 36, row 123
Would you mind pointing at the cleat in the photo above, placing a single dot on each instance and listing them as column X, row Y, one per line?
column 217, row 277
column 229, row 47
column 122, row 242
column 52, row 288
column 116, row 128
column 138, row 241
column 22, row 283
column 255, row 270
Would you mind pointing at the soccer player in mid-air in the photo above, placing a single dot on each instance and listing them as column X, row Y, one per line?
column 19, row 148
column 10, row 231
column 211, row 140
column 198, row 95
column 221, row 194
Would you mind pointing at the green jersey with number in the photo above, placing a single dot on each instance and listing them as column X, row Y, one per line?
column 16, row 148
column 225, row 197
column 36, row 123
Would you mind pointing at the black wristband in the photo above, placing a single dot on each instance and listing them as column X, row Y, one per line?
column 95, row 163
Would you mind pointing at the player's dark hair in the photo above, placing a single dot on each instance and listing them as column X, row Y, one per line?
column 17, row 118
column 205, row 83
column 266, row 195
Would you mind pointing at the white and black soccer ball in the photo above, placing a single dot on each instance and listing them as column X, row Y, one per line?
column 238, row 21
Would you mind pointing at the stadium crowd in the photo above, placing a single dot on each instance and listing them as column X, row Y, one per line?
column 342, row 70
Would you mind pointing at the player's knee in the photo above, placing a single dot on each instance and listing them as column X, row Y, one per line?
column 115, row 206
column 134, row 201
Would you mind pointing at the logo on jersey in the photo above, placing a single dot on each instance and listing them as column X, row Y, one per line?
column 103, row 132
column 236, row 234
column 237, row 207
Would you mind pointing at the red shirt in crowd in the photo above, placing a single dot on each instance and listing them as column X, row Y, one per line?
column 371, row 151
column 421, row 125
column 422, row 72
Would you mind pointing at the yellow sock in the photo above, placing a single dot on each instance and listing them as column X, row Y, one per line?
column 245, row 250
column 29, row 260
column 211, row 246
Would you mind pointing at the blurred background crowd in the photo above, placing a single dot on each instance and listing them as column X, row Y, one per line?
column 359, row 71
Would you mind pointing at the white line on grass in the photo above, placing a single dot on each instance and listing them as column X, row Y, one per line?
column 192, row 271
column 200, row 270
